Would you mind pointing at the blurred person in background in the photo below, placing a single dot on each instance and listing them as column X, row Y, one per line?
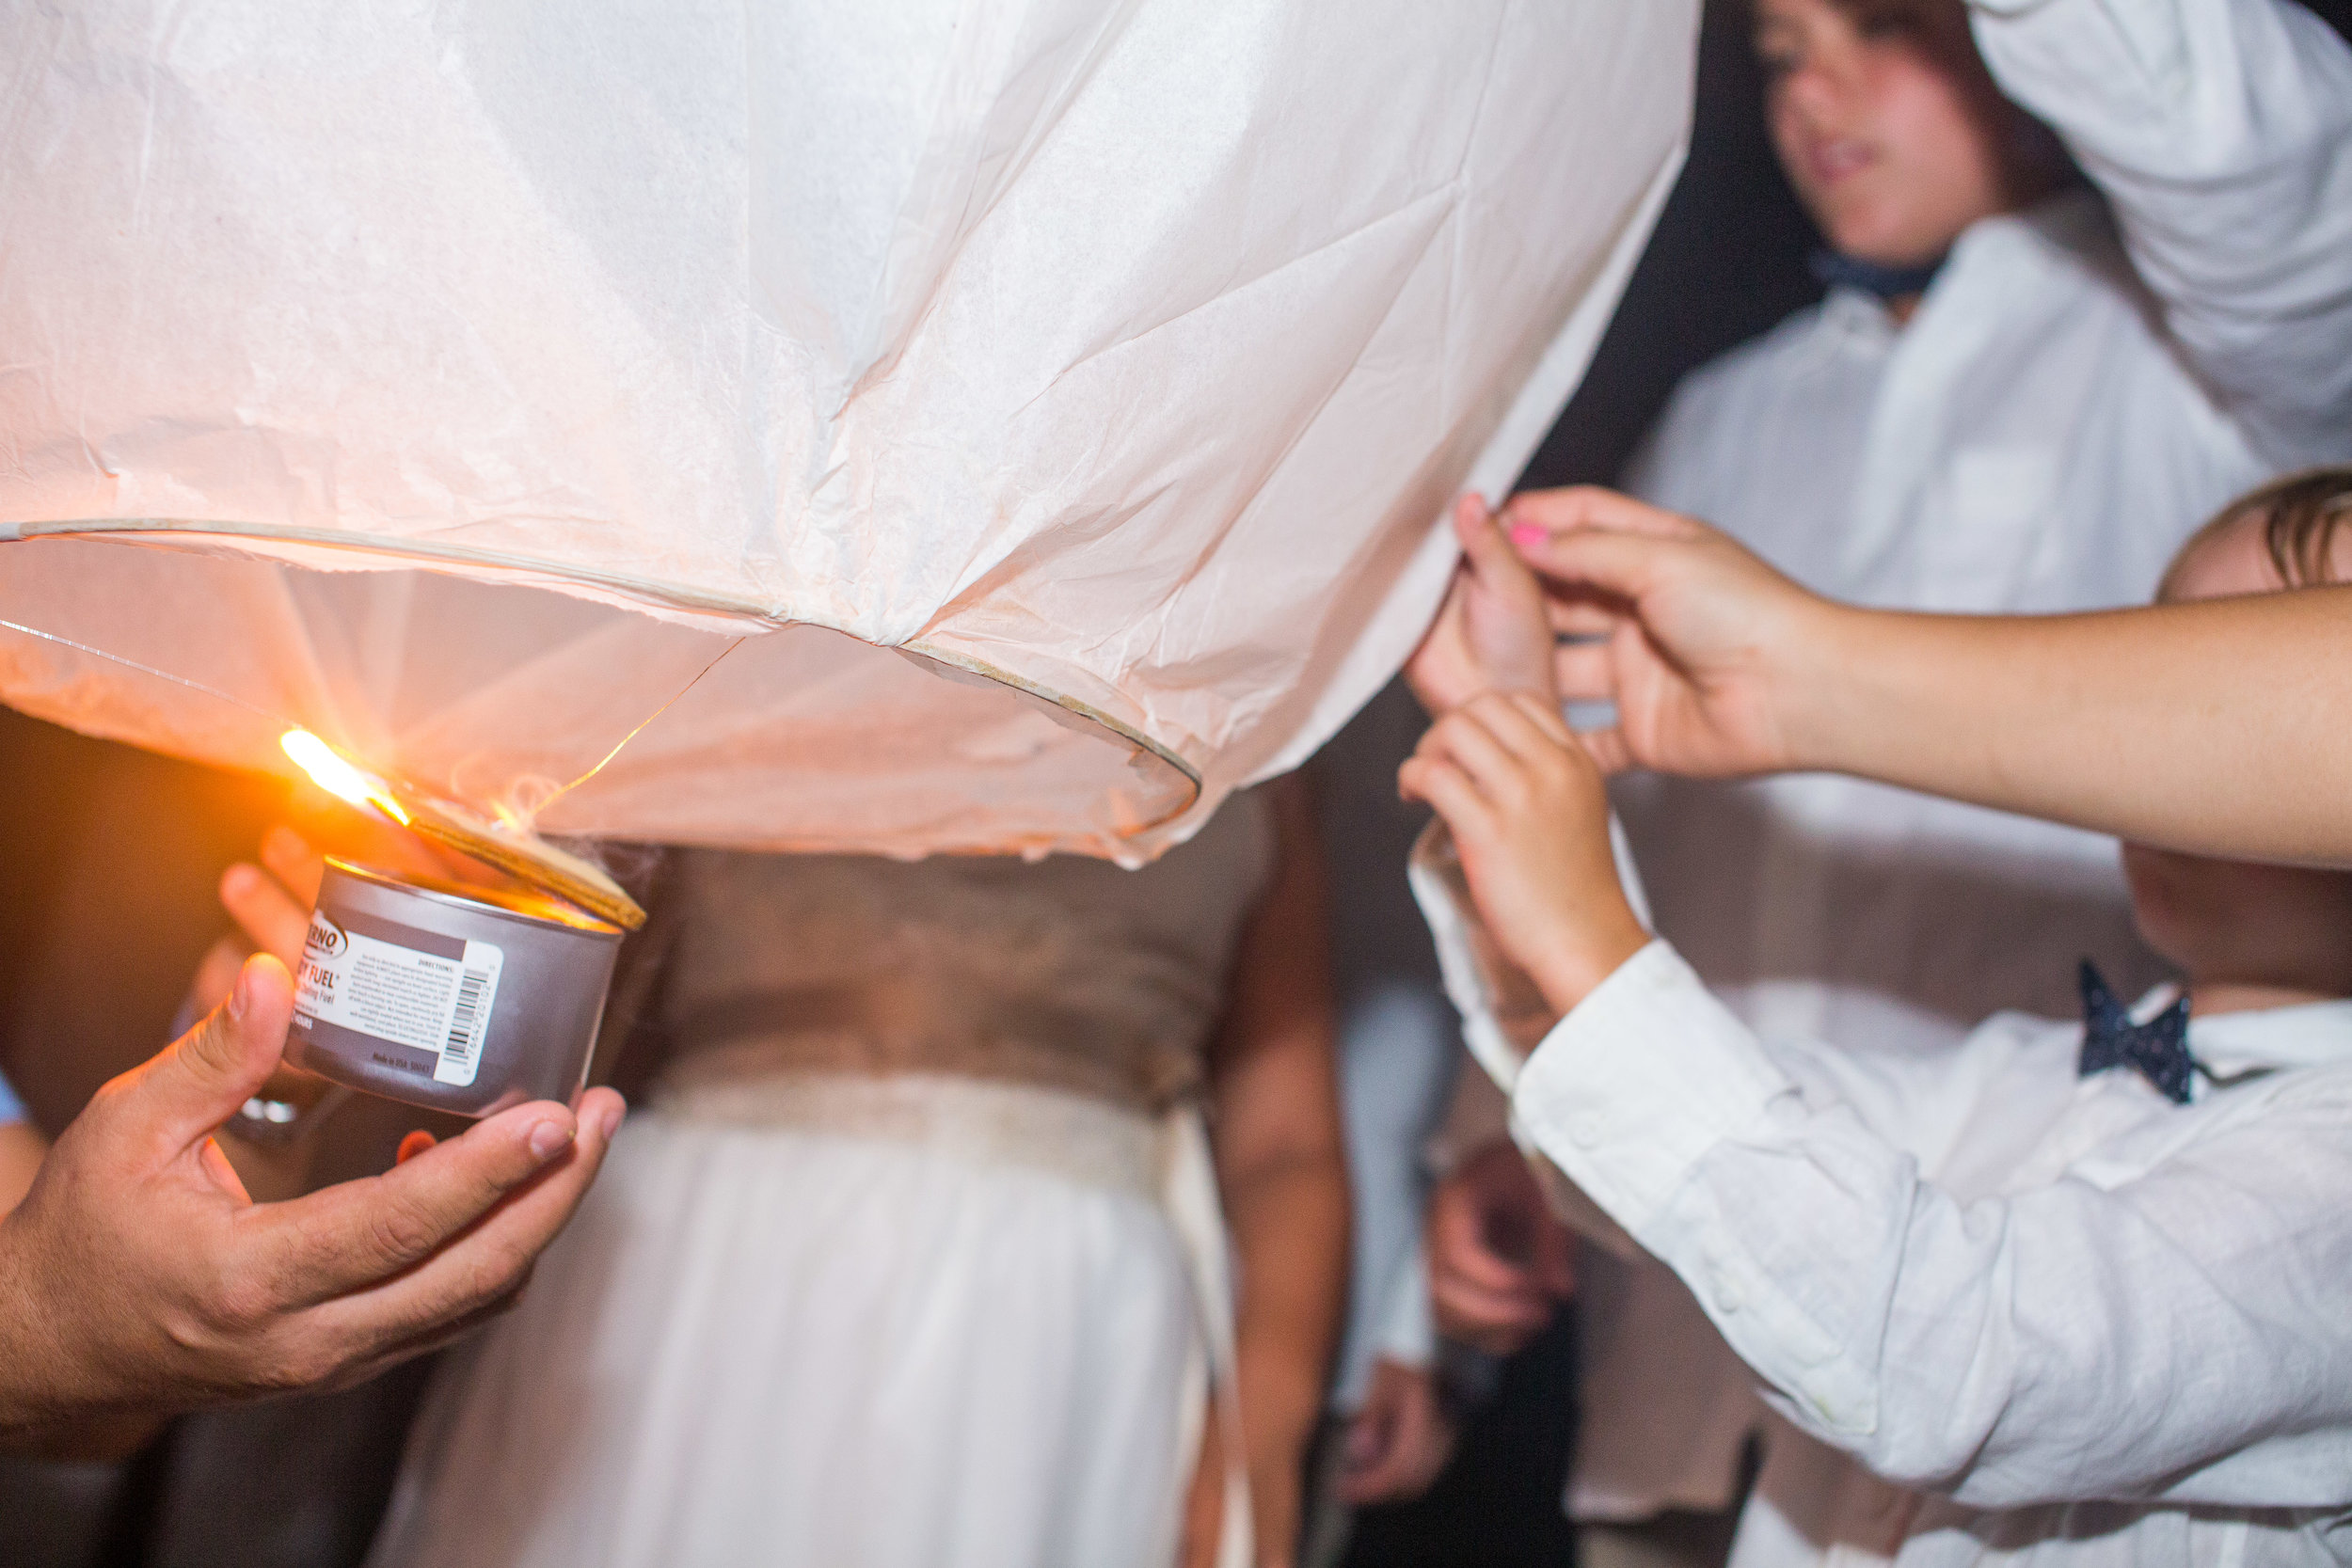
column 2020, row 394
column 917, row 1254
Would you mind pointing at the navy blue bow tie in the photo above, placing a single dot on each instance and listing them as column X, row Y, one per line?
column 1881, row 282
column 2156, row 1050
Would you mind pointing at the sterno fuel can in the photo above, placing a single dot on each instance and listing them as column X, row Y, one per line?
column 462, row 999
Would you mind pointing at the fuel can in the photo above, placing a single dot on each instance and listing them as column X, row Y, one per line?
column 462, row 999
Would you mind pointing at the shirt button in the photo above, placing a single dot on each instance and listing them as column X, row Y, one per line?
column 1729, row 1298
column 1586, row 1128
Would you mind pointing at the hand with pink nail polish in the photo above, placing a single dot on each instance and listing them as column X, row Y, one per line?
column 1492, row 633
column 137, row 1277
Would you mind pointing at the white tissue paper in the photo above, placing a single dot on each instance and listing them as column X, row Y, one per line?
column 1046, row 407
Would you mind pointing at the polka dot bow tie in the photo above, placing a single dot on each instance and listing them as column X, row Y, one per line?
column 2156, row 1050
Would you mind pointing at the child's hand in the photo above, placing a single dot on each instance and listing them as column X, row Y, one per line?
column 1531, row 822
column 1492, row 633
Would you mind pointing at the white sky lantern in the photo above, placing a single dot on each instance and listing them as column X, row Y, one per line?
column 906, row 424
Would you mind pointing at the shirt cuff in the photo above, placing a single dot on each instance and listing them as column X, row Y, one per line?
column 1630, row 1091
column 1503, row 1015
column 11, row 1108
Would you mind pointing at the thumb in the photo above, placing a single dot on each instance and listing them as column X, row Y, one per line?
column 208, row 1072
column 1480, row 536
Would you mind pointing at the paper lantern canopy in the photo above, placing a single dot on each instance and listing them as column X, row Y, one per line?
column 909, row 427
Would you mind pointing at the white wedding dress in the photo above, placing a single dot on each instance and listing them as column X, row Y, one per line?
column 912, row 1262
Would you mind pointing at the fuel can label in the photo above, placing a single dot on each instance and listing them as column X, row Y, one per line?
column 426, row 996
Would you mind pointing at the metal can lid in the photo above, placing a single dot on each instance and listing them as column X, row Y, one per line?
column 528, row 858
column 517, row 903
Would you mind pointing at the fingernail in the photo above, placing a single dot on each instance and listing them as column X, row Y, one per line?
column 609, row 1122
column 240, row 995
column 549, row 1138
column 1526, row 534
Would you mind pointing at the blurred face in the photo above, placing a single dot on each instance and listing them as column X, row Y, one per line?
column 2231, row 920
column 1891, row 153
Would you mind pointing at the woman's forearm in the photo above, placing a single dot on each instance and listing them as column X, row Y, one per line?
column 1281, row 1171
column 2222, row 727
column 1290, row 1228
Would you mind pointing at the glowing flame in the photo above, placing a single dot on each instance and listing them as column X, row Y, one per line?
column 332, row 774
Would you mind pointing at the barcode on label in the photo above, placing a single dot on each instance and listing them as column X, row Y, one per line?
column 458, row 1049
column 471, row 1005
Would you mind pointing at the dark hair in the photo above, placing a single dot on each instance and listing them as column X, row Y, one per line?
column 2300, row 516
column 2034, row 162
column 1937, row 28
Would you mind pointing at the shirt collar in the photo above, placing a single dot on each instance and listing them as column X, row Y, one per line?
column 1853, row 316
column 2263, row 1039
column 2058, row 231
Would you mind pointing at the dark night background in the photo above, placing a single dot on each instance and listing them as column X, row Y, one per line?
column 111, row 858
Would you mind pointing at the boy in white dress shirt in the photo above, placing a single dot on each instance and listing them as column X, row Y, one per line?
column 2069, row 1291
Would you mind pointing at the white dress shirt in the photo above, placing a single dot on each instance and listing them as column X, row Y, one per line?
column 2060, row 411
column 2018, row 1314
